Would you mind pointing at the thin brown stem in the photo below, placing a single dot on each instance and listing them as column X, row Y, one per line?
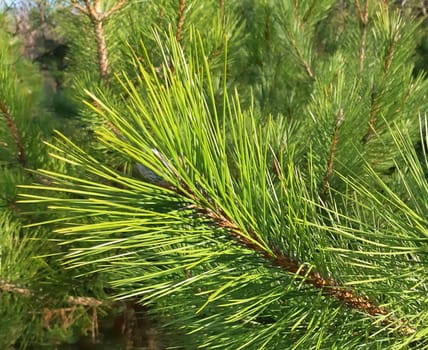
column 95, row 10
column 161, row 13
column 221, row 3
column 14, row 132
column 71, row 300
column 304, row 63
column 103, row 63
column 390, row 53
column 114, row 9
column 296, row 10
column 80, row 7
column 332, row 156
column 298, row 24
column 373, row 115
column 362, row 48
column 375, row 107
column 180, row 19
column 364, row 19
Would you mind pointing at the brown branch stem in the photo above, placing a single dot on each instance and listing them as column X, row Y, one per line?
column 103, row 62
column 14, row 132
column 332, row 155
column 114, row 9
column 71, row 300
column 374, row 109
column 304, row 63
column 180, row 19
column 162, row 13
column 79, row 7
column 363, row 17
column 390, row 52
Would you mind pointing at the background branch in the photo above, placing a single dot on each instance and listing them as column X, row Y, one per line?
column 14, row 132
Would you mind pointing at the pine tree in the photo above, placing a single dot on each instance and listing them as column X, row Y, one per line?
column 40, row 302
column 304, row 228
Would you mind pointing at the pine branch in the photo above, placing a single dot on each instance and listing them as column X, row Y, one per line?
column 363, row 17
column 221, row 2
column 180, row 19
column 71, row 300
column 333, row 149
column 14, row 132
column 374, row 109
column 250, row 240
column 49, row 314
column 103, row 62
column 390, row 52
column 162, row 13
column 114, row 9
column 80, row 7
column 98, row 17
column 9, row 287
column 304, row 63
column 341, row 25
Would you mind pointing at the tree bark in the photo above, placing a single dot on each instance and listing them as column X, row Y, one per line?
column 101, row 50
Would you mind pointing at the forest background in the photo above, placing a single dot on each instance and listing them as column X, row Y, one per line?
column 214, row 174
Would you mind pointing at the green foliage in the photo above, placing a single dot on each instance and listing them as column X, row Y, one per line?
column 255, row 172
column 34, row 287
column 230, row 235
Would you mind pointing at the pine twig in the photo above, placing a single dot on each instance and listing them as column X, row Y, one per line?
column 14, row 132
column 114, row 9
column 390, row 53
column 103, row 62
column 341, row 18
column 162, row 13
column 374, row 105
column 332, row 156
column 221, row 2
column 293, row 42
column 304, row 63
column 9, row 287
column 71, row 300
column 373, row 115
column 296, row 9
column 222, row 12
column 364, row 19
column 80, row 7
column 180, row 19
